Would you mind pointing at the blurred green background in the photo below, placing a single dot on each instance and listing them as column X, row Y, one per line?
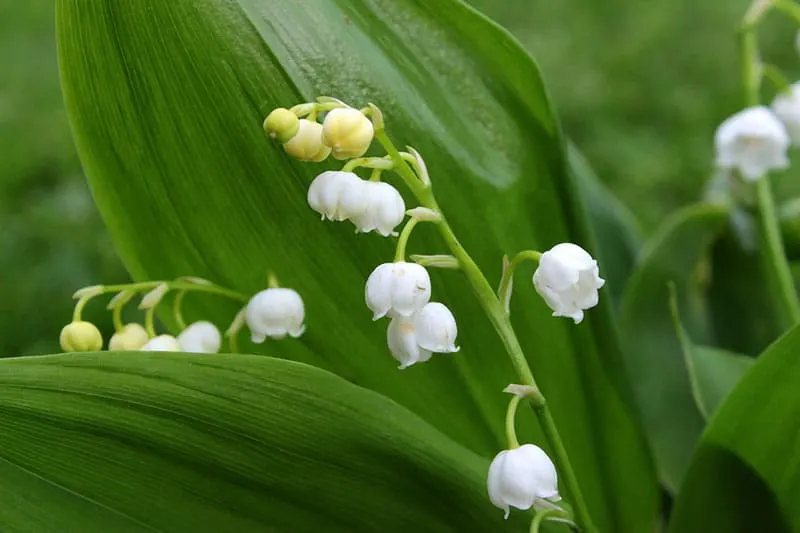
column 640, row 87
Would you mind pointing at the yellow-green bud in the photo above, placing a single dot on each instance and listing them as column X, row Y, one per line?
column 348, row 132
column 81, row 337
column 307, row 144
column 130, row 338
column 281, row 125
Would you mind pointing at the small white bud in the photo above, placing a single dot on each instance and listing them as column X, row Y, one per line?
column 787, row 108
column 521, row 477
column 348, row 132
column 200, row 337
column 416, row 338
column 81, row 336
column 397, row 289
column 385, row 209
column 275, row 313
column 338, row 195
column 131, row 337
column 162, row 343
column 752, row 141
column 568, row 279
column 307, row 145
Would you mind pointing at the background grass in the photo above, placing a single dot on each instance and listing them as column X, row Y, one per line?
column 640, row 87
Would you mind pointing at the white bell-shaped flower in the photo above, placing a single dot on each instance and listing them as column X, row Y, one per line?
column 568, row 279
column 200, row 337
column 385, row 209
column 131, row 337
column 416, row 338
column 338, row 195
column 753, row 141
column 521, row 477
column 398, row 288
column 787, row 108
column 275, row 313
column 162, row 343
column 348, row 132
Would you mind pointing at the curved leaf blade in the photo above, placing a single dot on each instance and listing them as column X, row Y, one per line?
column 652, row 349
column 166, row 101
column 185, row 442
column 745, row 475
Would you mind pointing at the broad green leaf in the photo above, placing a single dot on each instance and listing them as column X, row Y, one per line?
column 135, row 442
column 740, row 309
column 613, row 225
column 674, row 254
column 713, row 372
column 745, row 475
column 166, row 101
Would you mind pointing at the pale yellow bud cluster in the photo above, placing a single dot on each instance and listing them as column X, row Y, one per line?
column 345, row 132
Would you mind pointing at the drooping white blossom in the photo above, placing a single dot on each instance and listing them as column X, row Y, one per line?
column 275, row 313
column 786, row 107
column 414, row 339
column 80, row 336
column 347, row 132
column 568, row 279
column 522, row 477
column 131, row 337
column 753, row 141
column 385, row 209
column 398, row 288
column 162, row 343
column 338, row 195
column 200, row 337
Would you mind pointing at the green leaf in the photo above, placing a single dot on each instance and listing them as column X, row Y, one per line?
column 653, row 352
column 745, row 475
column 614, row 227
column 166, row 100
column 713, row 372
column 130, row 442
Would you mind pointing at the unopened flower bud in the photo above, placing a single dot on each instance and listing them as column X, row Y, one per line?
column 568, row 279
column 307, row 145
column 281, row 125
column 753, row 141
column 162, row 343
column 131, row 337
column 521, row 477
column 81, row 337
column 338, row 195
column 200, row 337
column 275, row 313
column 416, row 338
column 348, row 132
column 398, row 288
column 385, row 209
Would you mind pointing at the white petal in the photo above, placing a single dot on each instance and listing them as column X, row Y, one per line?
column 436, row 328
column 378, row 290
column 200, row 337
column 402, row 342
column 411, row 288
column 274, row 313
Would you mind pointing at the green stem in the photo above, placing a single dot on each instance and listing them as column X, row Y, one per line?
column 177, row 311
column 508, row 272
column 76, row 313
column 116, row 318
column 776, row 77
column 511, row 416
column 773, row 255
column 149, row 322
column 790, row 9
column 500, row 321
column 402, row 241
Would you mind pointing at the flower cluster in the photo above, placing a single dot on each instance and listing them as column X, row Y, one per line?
column 567, row 277
column 274, row 312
